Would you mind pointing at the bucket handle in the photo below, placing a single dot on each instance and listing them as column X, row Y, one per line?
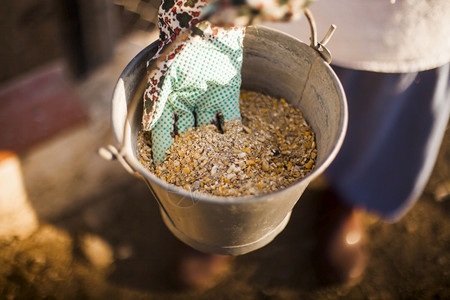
column 319, row 46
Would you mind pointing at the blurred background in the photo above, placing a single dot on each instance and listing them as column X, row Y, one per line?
column 83, row 32
column 50, row 46
column 73, row 226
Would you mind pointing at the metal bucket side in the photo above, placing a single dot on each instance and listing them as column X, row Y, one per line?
column 274, row 63
column 301, row 76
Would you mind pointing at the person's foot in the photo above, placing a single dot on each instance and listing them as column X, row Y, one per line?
column 201, row 271
column 339, row 256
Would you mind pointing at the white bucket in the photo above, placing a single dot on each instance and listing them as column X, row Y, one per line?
column 276, row 64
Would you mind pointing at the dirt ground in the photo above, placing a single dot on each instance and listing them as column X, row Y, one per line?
column 118, row 248
column 114, row 245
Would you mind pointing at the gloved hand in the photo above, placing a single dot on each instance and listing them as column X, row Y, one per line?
column 193, row 78
column 195, row 75
column 202, row 83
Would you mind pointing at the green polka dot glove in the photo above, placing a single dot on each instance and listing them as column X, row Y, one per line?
column 203, row 82
column 194, row 77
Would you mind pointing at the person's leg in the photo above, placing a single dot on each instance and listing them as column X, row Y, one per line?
column 396, row 126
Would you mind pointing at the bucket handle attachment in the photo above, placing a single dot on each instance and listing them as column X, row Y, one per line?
column 319, row 46
column 111, row 152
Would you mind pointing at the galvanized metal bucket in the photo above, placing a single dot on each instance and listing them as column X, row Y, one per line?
column 276, row 64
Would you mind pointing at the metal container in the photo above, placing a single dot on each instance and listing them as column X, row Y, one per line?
column 276, row 64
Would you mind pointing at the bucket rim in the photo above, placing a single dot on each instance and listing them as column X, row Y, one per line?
column 139, row 61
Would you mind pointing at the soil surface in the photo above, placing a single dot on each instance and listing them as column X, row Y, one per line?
column 117, row 247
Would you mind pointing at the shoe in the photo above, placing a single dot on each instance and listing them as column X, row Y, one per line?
column 200, row 271
column 339, row 256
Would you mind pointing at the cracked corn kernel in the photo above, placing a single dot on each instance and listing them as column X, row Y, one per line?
column 270, row 149
column 250, row 162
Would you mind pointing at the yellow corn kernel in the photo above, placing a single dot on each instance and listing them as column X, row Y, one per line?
column 248, row 170
column 250, row 162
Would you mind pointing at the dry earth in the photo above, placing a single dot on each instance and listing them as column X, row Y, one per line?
column 118, row 248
